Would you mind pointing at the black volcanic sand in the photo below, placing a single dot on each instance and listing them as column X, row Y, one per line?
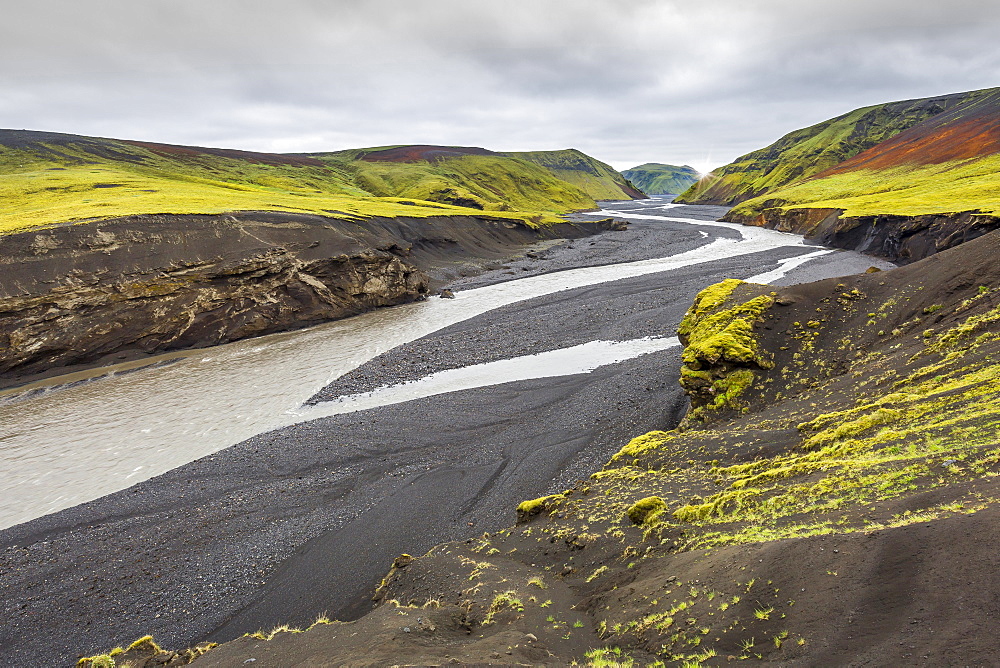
column 307, row 519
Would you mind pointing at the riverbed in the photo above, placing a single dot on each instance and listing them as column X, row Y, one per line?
column 72, row 439
column 269, row 508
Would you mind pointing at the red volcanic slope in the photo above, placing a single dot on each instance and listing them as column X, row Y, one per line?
column 969, row 130
column 174, row 151
column 423, row 153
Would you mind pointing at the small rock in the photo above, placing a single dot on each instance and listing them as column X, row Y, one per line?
column 872, row 270
column 530, row 637
column 447, row 294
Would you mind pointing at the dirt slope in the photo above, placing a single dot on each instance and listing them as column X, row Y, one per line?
column 831, row 499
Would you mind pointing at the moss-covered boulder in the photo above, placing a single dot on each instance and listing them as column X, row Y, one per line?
column 721, row 349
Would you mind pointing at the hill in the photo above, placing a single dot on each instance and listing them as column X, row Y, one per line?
column 597, row 179
column 655, row 178
column 48, row 178
column 902, row 180
column 189, row 246
column 831, row 498
column 809, row 151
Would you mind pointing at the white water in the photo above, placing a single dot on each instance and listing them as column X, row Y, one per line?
column 583, row 358
column 73, row 444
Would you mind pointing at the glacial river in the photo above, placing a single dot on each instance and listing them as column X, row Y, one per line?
column 75, row 438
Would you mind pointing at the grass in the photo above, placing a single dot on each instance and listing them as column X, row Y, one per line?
column 908, row 190
column 658, row 179
column 85, row 179
column 507, row 600
column 808, row 151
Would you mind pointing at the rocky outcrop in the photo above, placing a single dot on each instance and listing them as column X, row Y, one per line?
column 118, row 289
column 897, row 238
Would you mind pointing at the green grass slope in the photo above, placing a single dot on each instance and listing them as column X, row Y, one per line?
column 53, row 178
column 459, row 176
column 599, row 180
column 948, row 163
column 809, row 151
column 654, row 178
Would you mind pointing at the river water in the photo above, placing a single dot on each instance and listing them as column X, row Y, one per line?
column 75, row 438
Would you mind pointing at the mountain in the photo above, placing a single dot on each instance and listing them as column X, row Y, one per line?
column 809, row 151
column 655, row 178
column 50, row 178
column 901, row 180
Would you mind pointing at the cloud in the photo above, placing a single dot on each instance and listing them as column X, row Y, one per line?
column 628, row 81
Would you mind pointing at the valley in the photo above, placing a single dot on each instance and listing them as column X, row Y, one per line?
column 254, row 522
column 424, row 404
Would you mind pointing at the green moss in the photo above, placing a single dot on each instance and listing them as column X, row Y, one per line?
column 144, row 643
column 963, row 332
column 721, row 349
column 708, row 300
column 713, row 334
column 532, row 507
column 647, row 510
column 641, row 445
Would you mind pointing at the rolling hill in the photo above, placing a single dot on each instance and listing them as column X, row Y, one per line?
column 655, row 178
column 809, row 151
column 48, row 178
column 901, row 180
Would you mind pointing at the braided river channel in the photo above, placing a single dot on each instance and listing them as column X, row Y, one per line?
column 74, row 438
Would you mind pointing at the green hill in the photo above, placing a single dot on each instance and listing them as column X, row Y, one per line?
column 51, row 178
column 655, row 178
column 597, row 179
column 809, row 151
column 946, row 163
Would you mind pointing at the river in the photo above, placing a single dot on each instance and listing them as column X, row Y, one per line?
column 75, row 438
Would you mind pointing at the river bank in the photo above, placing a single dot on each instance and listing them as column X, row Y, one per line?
column 306, row 519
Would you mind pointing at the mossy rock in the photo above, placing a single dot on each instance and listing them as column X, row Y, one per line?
column 646, row 511
column 528, row 509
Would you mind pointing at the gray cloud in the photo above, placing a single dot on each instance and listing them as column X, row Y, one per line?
column 627, row 81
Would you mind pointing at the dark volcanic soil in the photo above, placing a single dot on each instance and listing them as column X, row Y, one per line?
column 307, row 519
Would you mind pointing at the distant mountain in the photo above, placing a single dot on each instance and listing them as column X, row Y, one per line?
column 654, row 178
column 50, row 178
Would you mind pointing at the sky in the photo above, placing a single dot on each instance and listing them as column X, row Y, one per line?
column 695, row 82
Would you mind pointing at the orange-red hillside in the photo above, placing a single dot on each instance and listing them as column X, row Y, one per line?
column 968, row 131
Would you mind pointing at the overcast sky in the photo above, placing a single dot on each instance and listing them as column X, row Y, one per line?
column 628, row 81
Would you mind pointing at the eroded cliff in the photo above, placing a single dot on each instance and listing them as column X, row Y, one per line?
column 898, row 238
column 116, row 289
